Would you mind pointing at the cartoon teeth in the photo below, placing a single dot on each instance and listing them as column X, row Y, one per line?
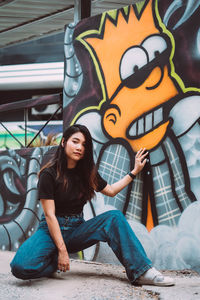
column 146, row 123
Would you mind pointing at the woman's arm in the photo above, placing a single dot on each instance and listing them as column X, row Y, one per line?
column 113, row 189
column 55, row 232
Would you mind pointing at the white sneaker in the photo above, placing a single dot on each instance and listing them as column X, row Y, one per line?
column 154, row 277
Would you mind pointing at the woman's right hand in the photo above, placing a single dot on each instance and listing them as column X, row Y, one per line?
column 63, row 260
column 55, row 232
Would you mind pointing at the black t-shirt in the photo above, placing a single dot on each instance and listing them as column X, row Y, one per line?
column 67, row 201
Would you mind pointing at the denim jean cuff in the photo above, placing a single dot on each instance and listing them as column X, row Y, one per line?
column 140, row 272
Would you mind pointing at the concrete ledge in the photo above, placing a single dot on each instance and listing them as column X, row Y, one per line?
column 93, row 281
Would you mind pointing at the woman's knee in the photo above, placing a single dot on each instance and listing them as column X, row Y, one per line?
column 115, row 215
column 17, row 270
column 20, row 265
column 115, row 212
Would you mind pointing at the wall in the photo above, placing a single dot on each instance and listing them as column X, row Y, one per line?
column 20, row 209
column 132, row 77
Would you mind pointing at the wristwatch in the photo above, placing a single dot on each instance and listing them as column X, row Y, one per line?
column 131, row 175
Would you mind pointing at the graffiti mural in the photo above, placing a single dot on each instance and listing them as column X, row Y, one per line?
column 132, row 77
column 20, row 209
column 135, row 84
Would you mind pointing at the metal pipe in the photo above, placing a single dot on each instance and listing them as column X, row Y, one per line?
column 32, row 76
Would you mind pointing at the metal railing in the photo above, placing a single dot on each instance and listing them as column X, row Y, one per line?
column 27, row 104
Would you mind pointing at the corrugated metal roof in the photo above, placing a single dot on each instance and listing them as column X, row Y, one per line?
column 23, row 20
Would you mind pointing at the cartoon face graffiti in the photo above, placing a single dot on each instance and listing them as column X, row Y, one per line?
column 136, row 75
column 142, row 97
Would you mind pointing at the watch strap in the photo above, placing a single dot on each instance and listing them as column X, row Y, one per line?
column 131, row 175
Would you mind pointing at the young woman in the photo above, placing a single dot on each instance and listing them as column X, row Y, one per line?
column 65, row 184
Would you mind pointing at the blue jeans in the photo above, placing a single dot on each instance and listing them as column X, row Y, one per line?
column 37, row 256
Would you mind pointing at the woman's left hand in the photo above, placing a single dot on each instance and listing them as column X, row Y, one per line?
column 140, row 161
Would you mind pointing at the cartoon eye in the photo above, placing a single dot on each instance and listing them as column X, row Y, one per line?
column 132, row 60
column 154, row 45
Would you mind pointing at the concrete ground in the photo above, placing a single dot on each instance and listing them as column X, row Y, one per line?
column 93, row 281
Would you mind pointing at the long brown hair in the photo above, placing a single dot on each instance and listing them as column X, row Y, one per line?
column 85, row 167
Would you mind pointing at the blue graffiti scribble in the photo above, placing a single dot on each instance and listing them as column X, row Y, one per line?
column 190, row 8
